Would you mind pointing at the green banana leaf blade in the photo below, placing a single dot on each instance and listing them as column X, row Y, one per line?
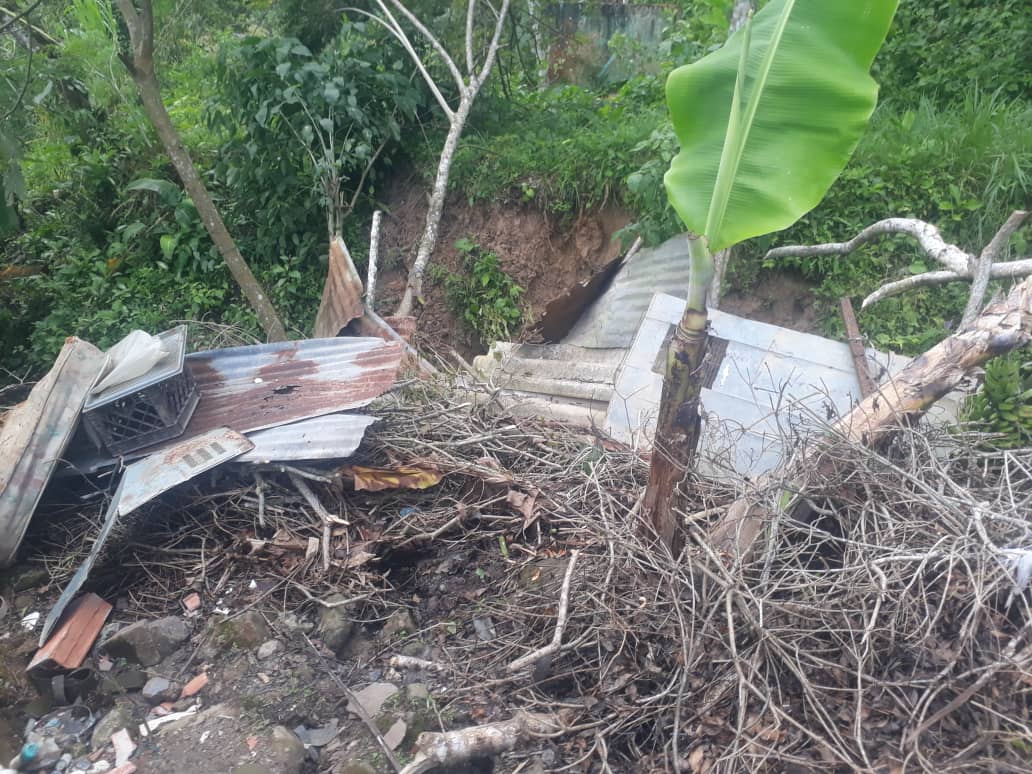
column 815, row 102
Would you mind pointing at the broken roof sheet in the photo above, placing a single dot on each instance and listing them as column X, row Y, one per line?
column 335, row 436
column 610, row 322
column 35, row 434
column 257, row 387
column 773, row 384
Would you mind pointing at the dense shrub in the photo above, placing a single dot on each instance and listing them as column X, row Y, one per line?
column 943, row 49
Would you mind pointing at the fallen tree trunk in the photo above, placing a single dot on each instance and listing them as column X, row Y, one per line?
column 1001, row 328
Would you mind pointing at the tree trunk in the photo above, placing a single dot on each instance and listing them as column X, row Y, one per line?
column 679, row 422
column 252, row 289
column 414, row 288
column 140, row 64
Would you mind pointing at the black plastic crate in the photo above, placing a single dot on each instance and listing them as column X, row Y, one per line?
column 147, row 410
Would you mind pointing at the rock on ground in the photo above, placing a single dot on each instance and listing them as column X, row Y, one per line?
column 148, row 642
column 335, row 629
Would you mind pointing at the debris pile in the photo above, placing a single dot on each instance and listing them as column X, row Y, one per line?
column 461, row 584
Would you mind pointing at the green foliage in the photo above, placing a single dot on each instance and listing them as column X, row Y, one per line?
column 961, row 168
column 1003, row 407
column 292, row 119
column 767, row 122
column 943, row 49
column 564, row 149
column 484, row 297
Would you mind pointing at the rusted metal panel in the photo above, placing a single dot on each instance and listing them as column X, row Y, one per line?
column 332, row 437
column 256, row 387
column 35, row 434
column 154, row 475
column 342, row 294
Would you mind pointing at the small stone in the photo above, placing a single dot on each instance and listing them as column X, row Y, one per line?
column 157, row 690
column 357, row 768
column 395, row 734
column 484, row 628
column 148, row 642
column 120, row 716
column 269, row 648
column 417, row 692
column 248, row 630
column 335, row 628
column 373, row 697
column 63, row 762
column 293, row 623
column 399, row 622
column 284, row 752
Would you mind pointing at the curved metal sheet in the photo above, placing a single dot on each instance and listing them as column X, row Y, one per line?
column 35, row 434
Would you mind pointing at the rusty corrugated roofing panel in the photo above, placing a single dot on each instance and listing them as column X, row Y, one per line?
column 342, row 294
column 35, row 434
column 255, row 387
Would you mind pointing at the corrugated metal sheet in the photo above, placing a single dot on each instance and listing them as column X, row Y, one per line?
column 35, row 434
column 154, row 475
column 253, row 388
column 614, row 317
column 342, row 294
column 323, row 438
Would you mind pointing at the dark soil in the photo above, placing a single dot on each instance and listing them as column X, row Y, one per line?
column 545, row 255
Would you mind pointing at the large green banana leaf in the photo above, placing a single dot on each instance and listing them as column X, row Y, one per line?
column 760, row 151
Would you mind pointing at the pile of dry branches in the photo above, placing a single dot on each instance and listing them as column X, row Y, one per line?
column 881, row 632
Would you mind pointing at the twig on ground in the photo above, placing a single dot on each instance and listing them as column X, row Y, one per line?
column 560, row 624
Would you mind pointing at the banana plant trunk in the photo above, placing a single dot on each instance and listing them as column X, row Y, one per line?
column 679, row 423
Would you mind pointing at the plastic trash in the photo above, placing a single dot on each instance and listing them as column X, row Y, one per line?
column 130, row 358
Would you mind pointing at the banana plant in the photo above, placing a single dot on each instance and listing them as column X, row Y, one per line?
column 765, row 124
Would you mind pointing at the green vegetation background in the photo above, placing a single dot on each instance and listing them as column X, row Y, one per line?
column 257, row 88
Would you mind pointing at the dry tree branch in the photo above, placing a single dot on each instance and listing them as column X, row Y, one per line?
column 960, row 265
column 560, row 623
column 452, row 747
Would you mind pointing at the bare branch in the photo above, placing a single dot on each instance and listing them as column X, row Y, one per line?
column 1008, row 270
column 374, row 249
column 434, row 750
column 931, row 241
column 14, row 18
column 471, row 6
column 399, row 34
column 984, row 266
column 422, row 29
column 560, row 623
column 492, row 50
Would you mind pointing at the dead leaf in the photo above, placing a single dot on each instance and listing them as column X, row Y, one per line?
column 525, row 504
column 695, row 760
column 401, row 477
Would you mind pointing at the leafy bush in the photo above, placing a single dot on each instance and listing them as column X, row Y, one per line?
column 291, row 118
column 565, row 149
column 942, row 49
column 1003, row 406
column 484, row 297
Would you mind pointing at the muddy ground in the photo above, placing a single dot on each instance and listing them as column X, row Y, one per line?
column 546, row 255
